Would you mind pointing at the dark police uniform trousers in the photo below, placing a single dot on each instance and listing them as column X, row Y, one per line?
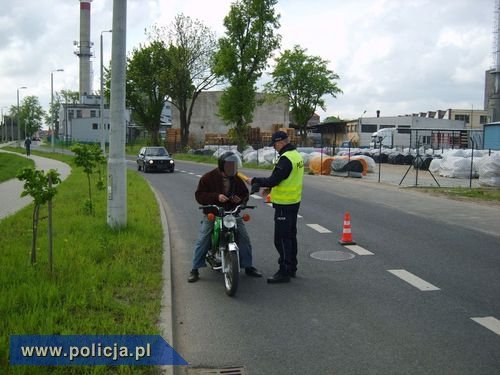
column 285, row 236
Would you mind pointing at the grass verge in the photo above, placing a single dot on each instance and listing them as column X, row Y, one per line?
column 104, row 281
column 481, row 194
column 11, row 164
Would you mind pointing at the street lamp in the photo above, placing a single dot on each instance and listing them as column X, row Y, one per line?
column 101, row 111
column 52, row 119
column 18, row 117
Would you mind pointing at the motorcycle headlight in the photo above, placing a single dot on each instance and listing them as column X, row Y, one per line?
column 229, row 221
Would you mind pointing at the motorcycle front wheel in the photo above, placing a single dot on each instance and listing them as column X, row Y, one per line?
column 232, row 273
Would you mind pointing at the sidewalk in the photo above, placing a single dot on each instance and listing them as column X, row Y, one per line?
column 10, row 191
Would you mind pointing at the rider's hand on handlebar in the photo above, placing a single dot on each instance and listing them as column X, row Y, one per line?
column 223, row 198
column 235, row 199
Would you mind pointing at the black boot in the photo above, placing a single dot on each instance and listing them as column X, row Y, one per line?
column 279, row 277
column 194, row 275
column 253, row 272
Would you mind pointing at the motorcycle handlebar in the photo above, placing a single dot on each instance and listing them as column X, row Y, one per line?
column 237, row 209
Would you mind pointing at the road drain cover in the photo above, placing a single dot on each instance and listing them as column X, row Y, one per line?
column 334, row 256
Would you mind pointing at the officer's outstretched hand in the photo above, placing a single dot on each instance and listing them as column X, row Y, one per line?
column 255, row 188
column 265, row 192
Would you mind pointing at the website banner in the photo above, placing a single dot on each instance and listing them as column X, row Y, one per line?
column 92, row 350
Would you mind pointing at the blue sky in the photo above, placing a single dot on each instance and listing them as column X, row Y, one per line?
column 396, row 56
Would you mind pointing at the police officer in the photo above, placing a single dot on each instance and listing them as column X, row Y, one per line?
column 285, row 185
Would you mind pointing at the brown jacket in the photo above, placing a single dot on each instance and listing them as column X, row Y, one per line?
column 211, row 185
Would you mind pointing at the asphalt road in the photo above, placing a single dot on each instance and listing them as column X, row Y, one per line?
column 418, row 294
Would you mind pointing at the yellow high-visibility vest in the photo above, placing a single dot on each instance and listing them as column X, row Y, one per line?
column 289, row 191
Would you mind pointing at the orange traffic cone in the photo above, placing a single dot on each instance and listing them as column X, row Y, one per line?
column 268, row 198
column 346, row 233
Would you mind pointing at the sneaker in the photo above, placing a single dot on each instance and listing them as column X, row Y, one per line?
column 194, row 275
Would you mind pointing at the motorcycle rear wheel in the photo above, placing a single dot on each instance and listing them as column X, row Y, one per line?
column 232, row 275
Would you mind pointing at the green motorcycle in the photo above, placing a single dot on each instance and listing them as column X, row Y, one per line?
column 224, row 247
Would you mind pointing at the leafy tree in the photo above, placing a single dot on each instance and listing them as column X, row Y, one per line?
column 65, row 96
column 242, row 57
column 69, row 97
column 191, row 46
column 13, row 114
column 304, row 80
column 146, row 91
column 30, row 115
column 39, row 185
column 332, row 119
column 52, row 115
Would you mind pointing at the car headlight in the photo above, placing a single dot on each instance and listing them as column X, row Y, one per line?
column 229, row 221
column 150, row 161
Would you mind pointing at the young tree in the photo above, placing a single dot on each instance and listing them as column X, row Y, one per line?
column 31, row 115
column 242, row 57
column 39, row 185
column 191, row 46
column 90, row 158
column 304, row 80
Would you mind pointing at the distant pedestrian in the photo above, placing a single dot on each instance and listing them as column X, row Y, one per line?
column 27, row 146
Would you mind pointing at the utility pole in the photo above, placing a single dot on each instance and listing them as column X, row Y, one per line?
column 51, row 111
column 101, row 114
column 117, row 183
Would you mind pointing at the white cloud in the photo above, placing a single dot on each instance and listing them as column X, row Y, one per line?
column 395, row 56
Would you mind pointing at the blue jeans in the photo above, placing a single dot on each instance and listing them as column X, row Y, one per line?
column 205, row 238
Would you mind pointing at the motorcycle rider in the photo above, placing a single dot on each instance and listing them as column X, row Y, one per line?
column 222, row 187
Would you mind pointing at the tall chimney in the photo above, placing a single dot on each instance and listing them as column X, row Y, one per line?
column 84, row 51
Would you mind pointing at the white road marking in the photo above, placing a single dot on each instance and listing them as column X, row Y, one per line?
column 489, row 322
column 319, row 228
column 358, row 250
column 256, row 196
column 416, row 281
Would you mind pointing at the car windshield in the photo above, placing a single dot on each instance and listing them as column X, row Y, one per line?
column 156, row 152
